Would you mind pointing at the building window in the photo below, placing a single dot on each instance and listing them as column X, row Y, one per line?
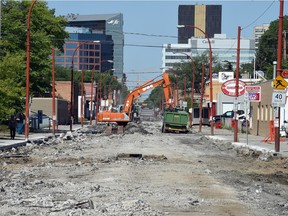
column 70, row 53
column 91, row 60
column 62, row 65
column 178, row 50
column 71, row 46
column 59, row 59
column 70, row 59
column 91, row 67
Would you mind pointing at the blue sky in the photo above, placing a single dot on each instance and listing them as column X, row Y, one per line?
column 160, row 18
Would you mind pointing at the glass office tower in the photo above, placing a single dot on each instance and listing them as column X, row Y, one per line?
column 106, row 24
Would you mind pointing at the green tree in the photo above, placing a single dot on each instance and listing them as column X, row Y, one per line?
column 268, row 46
column 227, row 66
column 46, row 30
column 185, row 70
column 247, row 67
column 11, row 91
column 10, row 103
column 156, row 96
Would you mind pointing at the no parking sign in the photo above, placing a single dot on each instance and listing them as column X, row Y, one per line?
column 254, row 93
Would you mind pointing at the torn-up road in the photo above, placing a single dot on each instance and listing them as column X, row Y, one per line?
column 141, row 172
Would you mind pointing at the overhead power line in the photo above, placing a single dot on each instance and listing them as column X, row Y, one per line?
column 261, row 15
column 143, row 72
column 143, row 34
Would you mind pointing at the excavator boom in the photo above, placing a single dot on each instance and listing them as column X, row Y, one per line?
column 124, row 116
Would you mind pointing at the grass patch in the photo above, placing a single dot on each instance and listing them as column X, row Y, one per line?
column 4, row 130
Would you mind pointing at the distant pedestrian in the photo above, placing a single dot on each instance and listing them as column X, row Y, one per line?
column 12, row 126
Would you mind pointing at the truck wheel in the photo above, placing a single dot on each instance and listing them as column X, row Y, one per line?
column 163, row 128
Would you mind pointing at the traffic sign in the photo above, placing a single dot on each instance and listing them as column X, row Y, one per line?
column 285, row 73
column 254, row 93
column 229, row 88
column 279, row 83
column 278, row 98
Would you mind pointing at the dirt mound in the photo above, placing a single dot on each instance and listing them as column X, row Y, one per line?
column 132, row 128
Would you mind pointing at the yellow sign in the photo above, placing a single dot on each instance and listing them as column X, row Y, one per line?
column 279, row 83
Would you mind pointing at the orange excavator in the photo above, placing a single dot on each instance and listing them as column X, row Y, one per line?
column 122, row 118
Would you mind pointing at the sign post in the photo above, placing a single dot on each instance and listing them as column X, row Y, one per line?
column 278, row 100
column 234, row 88
column 254, row 93
column 246, row 106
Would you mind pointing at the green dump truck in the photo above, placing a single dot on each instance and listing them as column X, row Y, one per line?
column 175, row 121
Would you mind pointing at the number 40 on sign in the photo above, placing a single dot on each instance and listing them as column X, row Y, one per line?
column 279, row 98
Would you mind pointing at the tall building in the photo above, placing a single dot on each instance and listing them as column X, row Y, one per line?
column 107, row 24
column 90, row 55
column 206, row 17
column 225, row 49
column 258, row 32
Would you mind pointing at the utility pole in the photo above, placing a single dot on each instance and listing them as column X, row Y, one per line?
column 284, row 45
column 279, row 63
column 237, row 87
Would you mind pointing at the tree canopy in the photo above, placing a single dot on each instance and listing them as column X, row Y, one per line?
column 47, row 31
column 268, row 46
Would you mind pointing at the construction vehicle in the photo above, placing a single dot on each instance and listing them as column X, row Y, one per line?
column 126, row 115
column 173, row 119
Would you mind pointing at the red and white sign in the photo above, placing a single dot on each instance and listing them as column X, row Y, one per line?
column 254, row 93
column 229, row 88
column 285, row 74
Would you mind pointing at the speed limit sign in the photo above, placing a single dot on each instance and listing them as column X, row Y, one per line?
column 278, row 98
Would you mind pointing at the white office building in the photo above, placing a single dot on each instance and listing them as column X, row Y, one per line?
column 224, row 48
column 259, row 31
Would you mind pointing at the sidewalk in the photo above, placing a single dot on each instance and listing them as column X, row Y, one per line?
column 7, row 143
column 250, row 141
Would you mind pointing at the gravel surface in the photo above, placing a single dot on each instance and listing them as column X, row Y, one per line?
column 141, row 172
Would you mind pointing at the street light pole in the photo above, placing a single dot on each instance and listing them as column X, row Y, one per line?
column 192, row 85
column 176, row 98
column 27, row 105
column 185, row 86
column 82, row 97
column 237, row 87
column 96, row 93
column 72, row 88
column 91, row 98
column 53, row 91
column 72, row 81
column 201, row 98
column 210, row 74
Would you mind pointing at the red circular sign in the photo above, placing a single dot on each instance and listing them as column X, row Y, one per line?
column 228, row 88
column 285, row 73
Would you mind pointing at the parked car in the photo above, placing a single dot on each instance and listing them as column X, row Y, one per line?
column 230, row 114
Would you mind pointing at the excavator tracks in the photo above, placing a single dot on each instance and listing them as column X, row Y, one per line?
column 114, row 129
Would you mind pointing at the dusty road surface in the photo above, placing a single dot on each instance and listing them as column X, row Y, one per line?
column 142, row 172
